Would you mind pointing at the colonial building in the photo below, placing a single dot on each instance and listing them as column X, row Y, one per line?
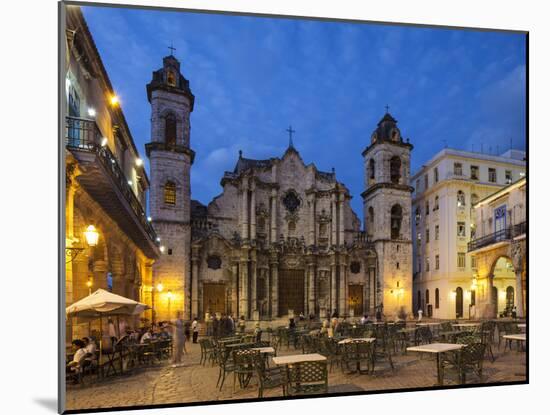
column 109, row 242
column 447, row 188
column 281, row 238
column 499, row 251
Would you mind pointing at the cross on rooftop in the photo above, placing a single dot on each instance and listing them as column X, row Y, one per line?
column 290, row 132
column 172, row 49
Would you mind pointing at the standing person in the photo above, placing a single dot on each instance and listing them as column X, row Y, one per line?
column 230, row 324
column 420, row 315
column 195, row 327
column 208, row 322
column 215, row 326
column 178, row 339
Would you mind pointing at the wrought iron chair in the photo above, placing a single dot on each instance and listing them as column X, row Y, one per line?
column 245, row 364
column 306, row 378
column 383, row 346
column 469, row 358
column 269, row 378
column 328, row 347
column 423, row 335
column 356, row 352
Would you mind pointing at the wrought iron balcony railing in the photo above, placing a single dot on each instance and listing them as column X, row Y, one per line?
column 519, row 229
column 84, row 135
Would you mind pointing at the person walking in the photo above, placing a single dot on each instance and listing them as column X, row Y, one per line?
column 178, row 340
column 195, row 328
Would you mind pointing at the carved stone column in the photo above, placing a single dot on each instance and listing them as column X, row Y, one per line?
column 195, row 261
column 311, row 239
column 341, row 212
column 253, row 211
column 333, row 288
column 253, row 283
column 334, row 221
column 244, row 211
column 243, row 300
column 274, row 268
column 343, row 288
column 519, row 293
column 273, row 216
column 234, row 289
column 312, row 284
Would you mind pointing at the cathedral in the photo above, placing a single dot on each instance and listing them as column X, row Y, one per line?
column 281, row 239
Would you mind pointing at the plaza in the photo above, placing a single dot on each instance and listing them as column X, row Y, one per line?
column 160, row 383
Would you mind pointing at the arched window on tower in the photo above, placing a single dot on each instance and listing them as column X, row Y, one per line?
column 395, row 169
column 371, row 170
column 170, row 193
column 396, row 219
column 170, row 130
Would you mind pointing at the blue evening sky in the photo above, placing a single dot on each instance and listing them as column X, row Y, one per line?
column 253, row 76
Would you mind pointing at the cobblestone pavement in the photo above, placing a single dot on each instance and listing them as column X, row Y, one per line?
column 163, row 384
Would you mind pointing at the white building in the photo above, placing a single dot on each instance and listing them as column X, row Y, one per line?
column 446, row 189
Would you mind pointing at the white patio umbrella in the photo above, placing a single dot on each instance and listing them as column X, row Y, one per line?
column 104, row 303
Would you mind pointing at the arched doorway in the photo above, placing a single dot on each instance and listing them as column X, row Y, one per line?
column 459, row 303
column 503, row 287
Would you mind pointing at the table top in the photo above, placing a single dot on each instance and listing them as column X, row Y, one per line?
column 408, row 330
column 297, row 358
column 435, row 347
column 231, row 345
column 522, row 325
column 466, row 325
column 428, row 324
column 363, row 339
column 264, row 349
column 521, row 337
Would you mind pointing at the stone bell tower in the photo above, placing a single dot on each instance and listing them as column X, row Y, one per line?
column 387, row 214
column 170, row 158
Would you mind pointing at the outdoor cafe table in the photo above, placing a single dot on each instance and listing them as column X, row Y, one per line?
column 263, row 350
column 436, row 348
column 519, row 337
column 364, row 340
column 298, row 358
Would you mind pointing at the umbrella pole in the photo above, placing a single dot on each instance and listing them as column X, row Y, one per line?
column 100, row 345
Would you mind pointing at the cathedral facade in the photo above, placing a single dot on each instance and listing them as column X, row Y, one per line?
column 281, row 239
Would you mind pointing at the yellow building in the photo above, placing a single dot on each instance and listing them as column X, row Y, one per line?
column 500, row 253
column 109, row 241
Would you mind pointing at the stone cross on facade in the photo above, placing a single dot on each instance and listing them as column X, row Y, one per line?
column 290, row 132
column 172, row 49
column 387, row 108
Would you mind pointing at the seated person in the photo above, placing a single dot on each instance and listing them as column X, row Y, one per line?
column 147, row 336
column 89, row 345
column 75, row 365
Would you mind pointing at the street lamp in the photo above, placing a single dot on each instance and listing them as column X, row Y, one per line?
column 91, row 235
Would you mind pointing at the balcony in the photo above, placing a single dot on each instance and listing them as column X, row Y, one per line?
column 102, row 177
column 499, row 236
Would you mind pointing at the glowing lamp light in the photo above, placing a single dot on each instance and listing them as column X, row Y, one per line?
column 89, row 283
column 104, row 141
column 158, row 238
column 91, row 235
column 114, row 101
column 160, row 287
column 169, row 294
column 130, row 182
column 149, row 219
column 139, row 162
column 162, row 249
column 91, row 112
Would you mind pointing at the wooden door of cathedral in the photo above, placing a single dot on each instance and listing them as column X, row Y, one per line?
column 355, row 299
column 291, row 291
column 214, row 297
